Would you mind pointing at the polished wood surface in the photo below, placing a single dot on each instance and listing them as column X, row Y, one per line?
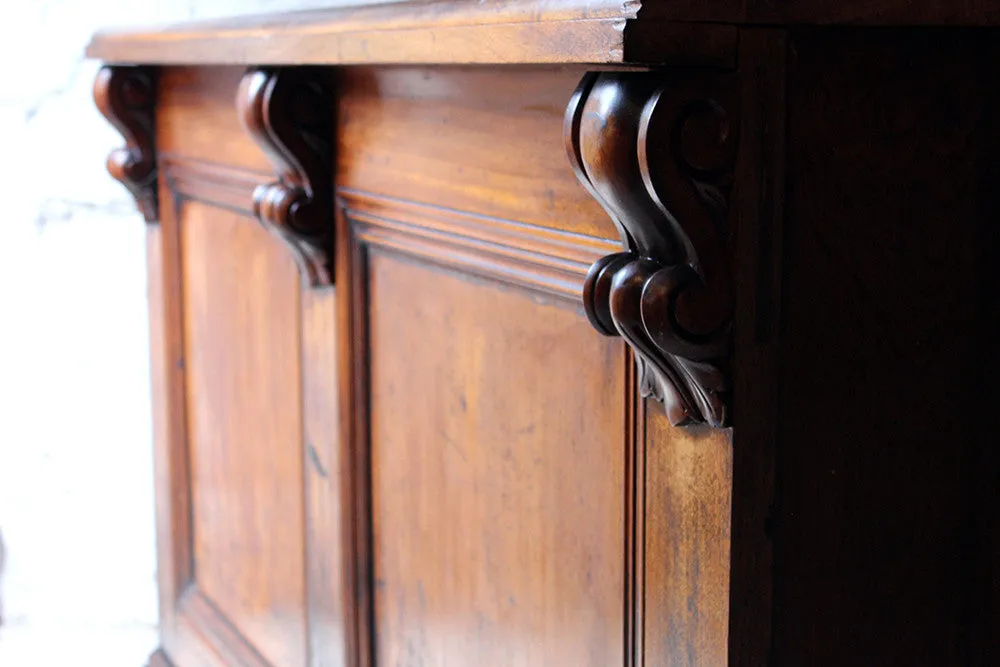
column 197, row 120
column 494, row 32
column 486, row 142
column 468, row 568
column 242, row 319
column 387, row 432
column 428, row 31
column 658, row 155
column 249, row 515
column 687, row 481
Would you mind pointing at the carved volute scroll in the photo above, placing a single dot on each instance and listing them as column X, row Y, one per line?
column 288, row 114
column 658, row 156
column 126, row 96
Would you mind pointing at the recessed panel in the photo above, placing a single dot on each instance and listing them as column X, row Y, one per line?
column 243, row 377
column 484, row 141
column 498, row 484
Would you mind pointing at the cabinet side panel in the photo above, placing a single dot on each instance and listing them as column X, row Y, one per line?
column 885, row 514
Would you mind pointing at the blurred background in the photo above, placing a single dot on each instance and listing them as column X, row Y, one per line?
column 76, row 485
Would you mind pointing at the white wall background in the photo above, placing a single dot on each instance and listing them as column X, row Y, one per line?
column 76, row 498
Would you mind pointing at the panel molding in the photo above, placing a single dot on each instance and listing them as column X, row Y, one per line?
column 239, row 190
column 545, row 260
column 175, row 559
column 192, row 623
column 658, row 154
column 353, row 402
column 210, row 183
column 635, row 516
column 211, row 624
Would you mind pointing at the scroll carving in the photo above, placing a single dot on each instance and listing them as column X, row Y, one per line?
column 287, row 112
column 126, row 96
column 659, row 158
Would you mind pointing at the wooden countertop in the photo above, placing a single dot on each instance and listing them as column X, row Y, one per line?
column 429, row 32
column 600, row 32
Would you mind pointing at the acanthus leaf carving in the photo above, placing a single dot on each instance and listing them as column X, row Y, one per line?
column 287, row 112
column 658, row 155
column 126, row 96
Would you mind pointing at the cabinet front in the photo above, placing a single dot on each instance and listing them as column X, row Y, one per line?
column 393, row 437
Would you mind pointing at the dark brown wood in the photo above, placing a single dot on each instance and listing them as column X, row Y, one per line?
column 127, row 97
column 284, row 112
column 688, row 32
column 659, row 157
column 440, row 462
column 883, row 535
column 875, row 12
column 757, row 219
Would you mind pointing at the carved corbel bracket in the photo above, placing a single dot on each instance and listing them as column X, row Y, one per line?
column 126, row 96
column 659, row 157
column 287, row 112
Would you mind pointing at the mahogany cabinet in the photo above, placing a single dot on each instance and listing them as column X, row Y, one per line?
column 571, row 333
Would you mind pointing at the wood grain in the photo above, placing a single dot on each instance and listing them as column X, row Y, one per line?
column 252, row 504
column 470, row 564
column 196, row 118
column 242, row 335
column 688, row 478
column 325, row 483
column 488, row 142
column 427, row 32
column 511, row 252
